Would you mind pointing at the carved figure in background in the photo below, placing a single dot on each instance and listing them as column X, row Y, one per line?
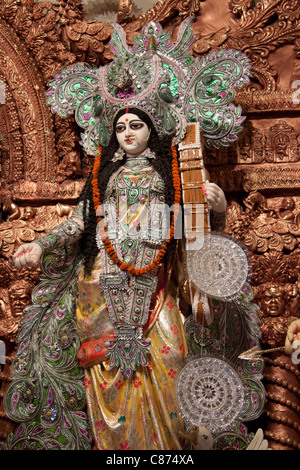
column 124, row 9
column 28, row 213
column 287, row 208
column 256, row 202
column 293, row 299
column 8, row 208
column 16, row 288
column 2, row 308
column 19, row 296
column 70, row 167
column 273, row 300
column 281, row 144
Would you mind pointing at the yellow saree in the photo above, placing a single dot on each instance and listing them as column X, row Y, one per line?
column 139, row 413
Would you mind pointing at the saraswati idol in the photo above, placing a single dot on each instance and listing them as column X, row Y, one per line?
column 105, row 359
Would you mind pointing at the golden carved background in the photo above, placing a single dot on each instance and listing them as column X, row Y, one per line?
column 43, row 167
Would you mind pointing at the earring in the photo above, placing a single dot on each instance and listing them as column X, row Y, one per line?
column 119, row 154
column 148, row 153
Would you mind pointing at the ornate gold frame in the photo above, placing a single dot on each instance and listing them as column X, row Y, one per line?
column 43, row 166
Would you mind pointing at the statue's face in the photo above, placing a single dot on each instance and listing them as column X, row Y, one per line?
column 28, row 213
column 132, row 134
column 288, row 203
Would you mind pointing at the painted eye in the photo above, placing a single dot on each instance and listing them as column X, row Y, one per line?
column 120, row 128
column 136, row 125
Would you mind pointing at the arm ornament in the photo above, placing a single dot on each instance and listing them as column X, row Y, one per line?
column 67, row 233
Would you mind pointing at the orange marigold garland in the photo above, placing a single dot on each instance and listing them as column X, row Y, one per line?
column 107, row 243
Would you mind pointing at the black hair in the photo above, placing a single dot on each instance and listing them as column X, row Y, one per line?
column 162, row 165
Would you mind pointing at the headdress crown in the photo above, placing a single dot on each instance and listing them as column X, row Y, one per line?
column 160, row 77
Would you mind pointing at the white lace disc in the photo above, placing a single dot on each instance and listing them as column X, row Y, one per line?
column 219, row 268
column 210, row 393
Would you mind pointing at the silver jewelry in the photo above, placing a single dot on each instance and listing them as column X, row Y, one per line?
column 119, row 154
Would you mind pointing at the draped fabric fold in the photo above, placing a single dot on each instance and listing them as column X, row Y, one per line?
column 94, row 351
column 141, row 413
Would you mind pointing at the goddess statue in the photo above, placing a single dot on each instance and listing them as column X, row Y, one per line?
column 113, row 292
column 135, row 414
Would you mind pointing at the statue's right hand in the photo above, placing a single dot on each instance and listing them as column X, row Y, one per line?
column 26, row 255
column 292, row 341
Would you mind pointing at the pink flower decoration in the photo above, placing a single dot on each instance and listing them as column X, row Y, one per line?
column 165, row 350
column 174, row 329
column 119, row 384
column 103, row 385
column 137, row 382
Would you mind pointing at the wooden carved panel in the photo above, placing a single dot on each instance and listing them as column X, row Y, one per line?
column 43, row 167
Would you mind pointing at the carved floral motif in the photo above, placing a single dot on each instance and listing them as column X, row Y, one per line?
column 22, row 225
column 269, row 228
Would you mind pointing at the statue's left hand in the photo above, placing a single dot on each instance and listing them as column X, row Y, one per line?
column 26, row 255
column 215, row 197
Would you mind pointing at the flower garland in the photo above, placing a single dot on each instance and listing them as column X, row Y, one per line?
column 107, row 243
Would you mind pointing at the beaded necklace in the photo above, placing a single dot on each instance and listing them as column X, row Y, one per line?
column 107, row 243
